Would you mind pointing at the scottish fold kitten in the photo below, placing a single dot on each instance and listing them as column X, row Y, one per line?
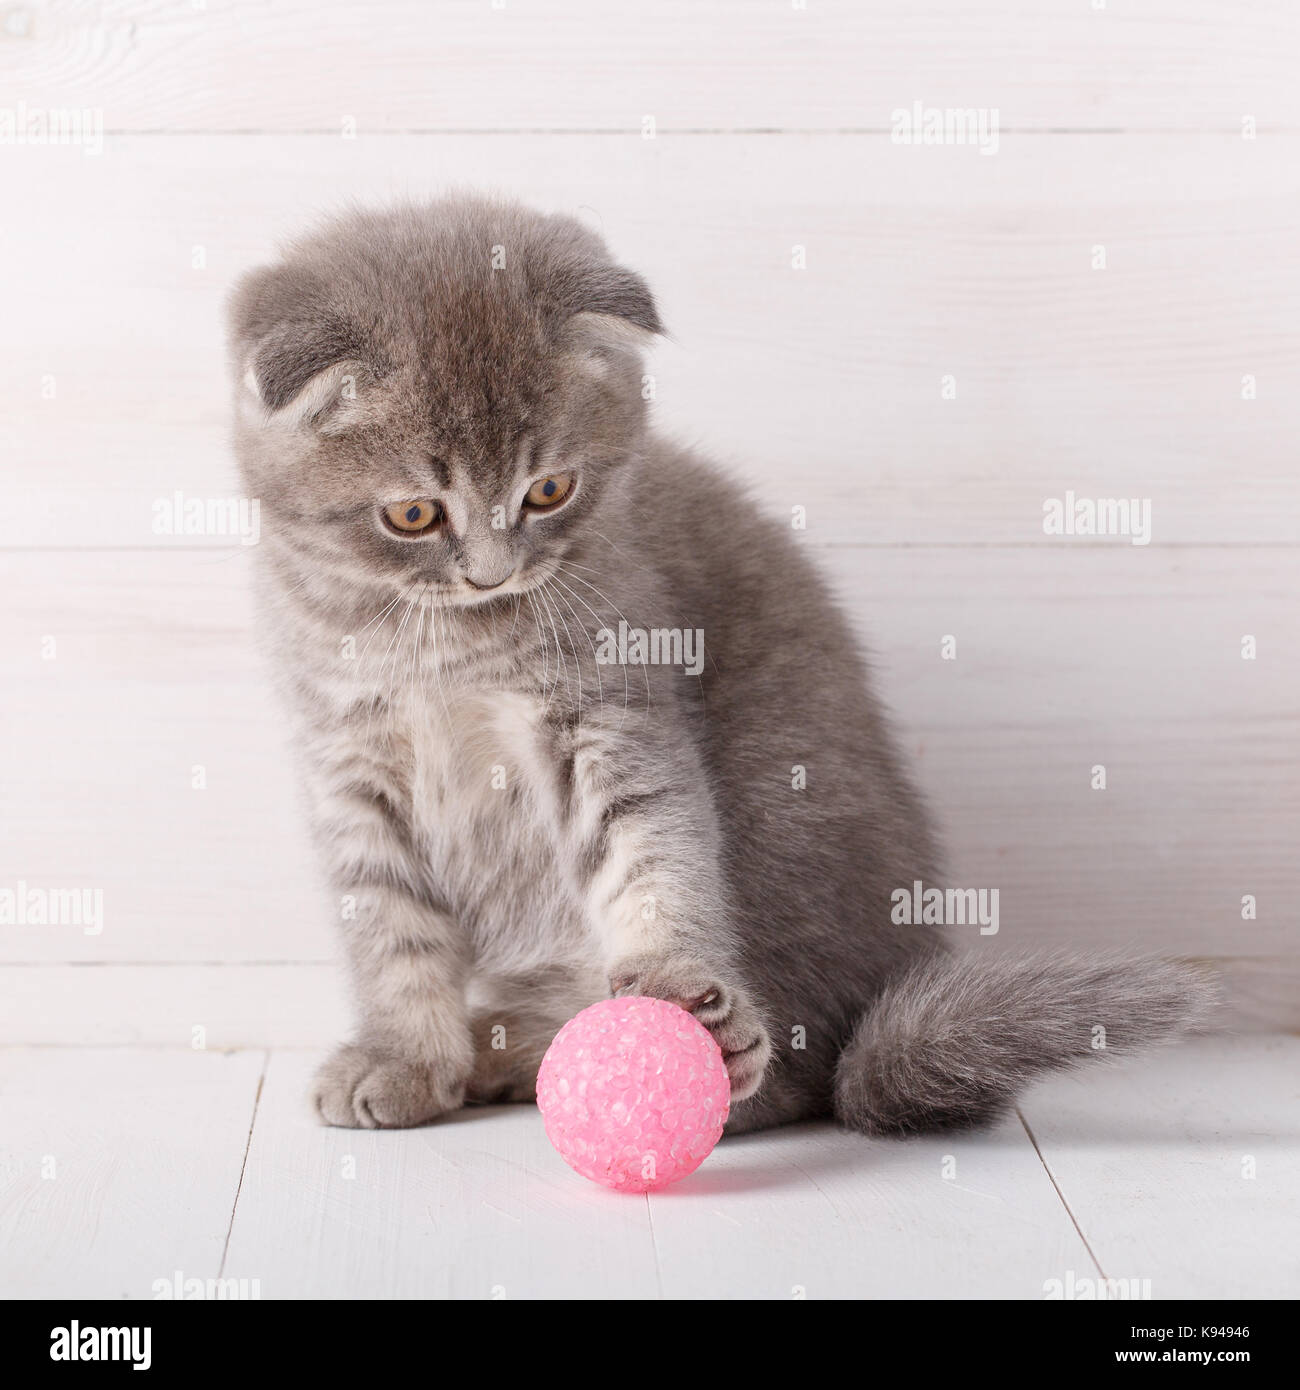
column 470, row 537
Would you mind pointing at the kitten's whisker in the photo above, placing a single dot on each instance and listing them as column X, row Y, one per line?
column 293, row 589
column 605, row 598
column 422, row 666
column 550, row 594
column 645, row 569
column 388, row 693
column 559, row 653
column 441, row 644
column 591, row 643
column 595, row 659
column 618, row 550
column 387, row 608
column 417, row 650
column 382, row 614
column 375, row 696
column 400, row 661
column 424, row 660
column 541, row 637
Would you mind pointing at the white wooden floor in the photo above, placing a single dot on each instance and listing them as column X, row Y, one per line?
column 121, row 1166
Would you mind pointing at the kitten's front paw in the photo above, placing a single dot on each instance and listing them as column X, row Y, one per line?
column 362, row 1089
column 725, row 1010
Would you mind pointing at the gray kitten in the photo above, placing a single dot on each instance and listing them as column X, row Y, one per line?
column 440, row 408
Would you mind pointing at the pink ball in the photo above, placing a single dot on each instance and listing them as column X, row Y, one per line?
column 634, row 1093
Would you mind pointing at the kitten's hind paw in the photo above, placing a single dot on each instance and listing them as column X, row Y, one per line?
column 724, row 1009
column 361, row 1089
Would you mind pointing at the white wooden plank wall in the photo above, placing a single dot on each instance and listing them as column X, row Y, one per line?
column 1125, row 128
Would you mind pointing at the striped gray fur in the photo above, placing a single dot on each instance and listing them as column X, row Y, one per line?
column 512, row 830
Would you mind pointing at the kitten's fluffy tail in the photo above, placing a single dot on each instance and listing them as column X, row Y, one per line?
column 951, row 1042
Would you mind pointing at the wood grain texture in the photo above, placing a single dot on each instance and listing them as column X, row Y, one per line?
column 148, row 1148
column 817, row 1212
column 481, row 1206
column 1184, row 1168
column 125, row 1005
column 823, row 386
column 582, row 64
column 118, row 1168
column 477, row 1206
column 1123, row 657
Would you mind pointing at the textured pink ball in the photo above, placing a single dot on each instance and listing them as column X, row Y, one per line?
column 634, row 1093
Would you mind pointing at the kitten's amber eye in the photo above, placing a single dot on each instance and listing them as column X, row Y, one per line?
column 411, row 518
column 546, row 492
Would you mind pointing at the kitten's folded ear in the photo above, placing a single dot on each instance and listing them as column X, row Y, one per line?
column 607, row 312
column 292, row 354
column 611, row 291
column 576, row 275
column 599, row 343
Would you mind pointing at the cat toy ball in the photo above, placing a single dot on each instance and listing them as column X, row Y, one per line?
column 633, row 1093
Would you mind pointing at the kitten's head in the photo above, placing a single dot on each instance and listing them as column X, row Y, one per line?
column 438, row 394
